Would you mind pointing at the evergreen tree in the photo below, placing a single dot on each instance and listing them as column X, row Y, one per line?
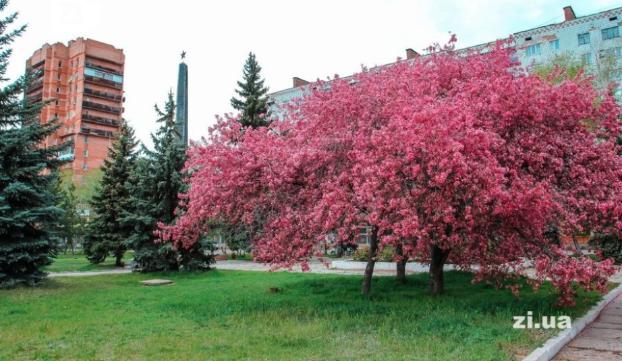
column 106, row 233
column 27, row 205
column 252, row 92
column 71, row 222
column 156, row 182
column 142, row 216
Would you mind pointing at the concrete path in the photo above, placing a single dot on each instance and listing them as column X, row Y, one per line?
column 315, row 265
column 90, row 273
column 600, row 341
column 338, row 267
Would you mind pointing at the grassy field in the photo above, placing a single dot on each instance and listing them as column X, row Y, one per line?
column 79, row 263
column 229, row 315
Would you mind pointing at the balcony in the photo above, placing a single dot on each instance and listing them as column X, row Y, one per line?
column 101, row 107
column 67, row 156
column 103, row 95
column 97, row 132
column 102, row 68
column 99, row 120
column 103, row 82
column 35, row 98
column 35, row 85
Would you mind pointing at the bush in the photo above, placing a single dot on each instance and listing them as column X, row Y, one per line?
column 386, row 255
column 361, row 253
column 609, row 245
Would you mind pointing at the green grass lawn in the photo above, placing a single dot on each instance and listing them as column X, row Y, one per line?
column 230, row 315
column 78, row 262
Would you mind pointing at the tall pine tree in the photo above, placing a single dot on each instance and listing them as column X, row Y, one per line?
column 142, row 216
column 252, row 101
column 27, row 204
column 68, row 227
column 70, row 224
column 106, row 233
column 155, row 185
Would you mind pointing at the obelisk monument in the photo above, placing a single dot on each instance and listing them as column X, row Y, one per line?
column 181, row 116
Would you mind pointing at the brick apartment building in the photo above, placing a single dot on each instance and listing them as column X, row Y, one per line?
column 83, row 83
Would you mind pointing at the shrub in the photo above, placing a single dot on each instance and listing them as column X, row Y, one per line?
column 361, row 253
column 609, row 245
column 386, row 255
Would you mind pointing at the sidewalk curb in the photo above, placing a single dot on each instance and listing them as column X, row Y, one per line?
column 553, row 345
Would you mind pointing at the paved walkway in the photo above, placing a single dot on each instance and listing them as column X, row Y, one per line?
column 315, row 265
column 90, row 273
column 600, row 341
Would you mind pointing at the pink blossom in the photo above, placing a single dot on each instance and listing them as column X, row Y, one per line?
column 467, row 152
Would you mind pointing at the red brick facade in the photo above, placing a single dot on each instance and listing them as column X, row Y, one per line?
column 83, row 81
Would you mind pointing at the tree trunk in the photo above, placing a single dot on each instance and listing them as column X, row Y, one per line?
column 340, row 251
column 438, row 258
column 119, row 259
column 371, row 261
column 400, row 265
column 576, row 245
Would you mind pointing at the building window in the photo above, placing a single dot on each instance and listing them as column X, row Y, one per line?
column 615, row 52
column 57, row 90
column 86, row 139
column 584, row 38
column 554, row 45
column 86, row 153
column 85, row 166
column 586, row 58
column 364, row 236
column 60, row 63
column 103, row 75
column 611, row 33
column 533, row 50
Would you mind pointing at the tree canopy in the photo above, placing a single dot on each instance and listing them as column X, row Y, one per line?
column 252, row 96
column 461, row 158
column 28, row 210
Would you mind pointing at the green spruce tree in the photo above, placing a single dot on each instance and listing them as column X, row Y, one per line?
column 155, row 185
column 252, row 96
column 106, row 233
column 27, row 205
column 142, row 216
column 70, row 223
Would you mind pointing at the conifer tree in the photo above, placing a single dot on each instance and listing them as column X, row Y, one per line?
column 27, row 204
column 155, row 185
column 71, row 222
column 106, row 233
column 252, row 96
column 142, row 216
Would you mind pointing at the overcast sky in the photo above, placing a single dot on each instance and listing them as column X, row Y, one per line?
column 310, row 39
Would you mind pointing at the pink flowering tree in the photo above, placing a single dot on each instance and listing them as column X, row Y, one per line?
column 460, row 158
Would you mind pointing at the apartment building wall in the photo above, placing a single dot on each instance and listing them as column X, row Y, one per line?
column 82, row 83
column 532, row 46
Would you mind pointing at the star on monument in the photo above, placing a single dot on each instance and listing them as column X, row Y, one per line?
column 183, row 55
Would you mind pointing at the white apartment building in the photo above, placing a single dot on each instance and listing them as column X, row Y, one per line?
column 592, row 39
